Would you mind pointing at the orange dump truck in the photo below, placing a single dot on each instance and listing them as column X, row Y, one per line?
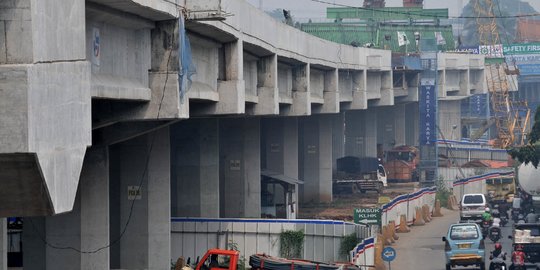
column 401, row 164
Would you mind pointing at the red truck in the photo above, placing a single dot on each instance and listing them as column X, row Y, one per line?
column 220, row 259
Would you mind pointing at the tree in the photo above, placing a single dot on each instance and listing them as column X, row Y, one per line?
column 530, row 152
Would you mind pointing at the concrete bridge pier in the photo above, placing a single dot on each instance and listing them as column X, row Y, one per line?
column 85, row 228
column 315, row 157
column 195, row 168
column 142, row 163
column 3, row 244
column 361, row 133
column 240, row 167
column 279, row 154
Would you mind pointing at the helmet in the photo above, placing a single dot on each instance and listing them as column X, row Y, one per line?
column 519, row 247
column 498, row 246
column 487, row 209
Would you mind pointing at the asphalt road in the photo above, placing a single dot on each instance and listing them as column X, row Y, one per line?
column 423, row 248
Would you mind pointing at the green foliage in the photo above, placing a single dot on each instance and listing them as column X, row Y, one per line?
column 291, row 244
column 348, row 243
column 443, row 192
column 531, row 152
column 241, row 260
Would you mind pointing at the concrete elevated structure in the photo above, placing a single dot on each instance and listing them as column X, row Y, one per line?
column 90, row 113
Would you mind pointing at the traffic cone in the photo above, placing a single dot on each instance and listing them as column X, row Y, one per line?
column 379, row 245
column 437, row 209
column 403, row 227
column 388, row 239
column 393, row 230
column 425, row 213
column 450, row 203
column 418, row 220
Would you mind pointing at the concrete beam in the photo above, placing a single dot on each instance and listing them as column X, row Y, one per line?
column 267, row 86
column 124, row 131
column 360, row 100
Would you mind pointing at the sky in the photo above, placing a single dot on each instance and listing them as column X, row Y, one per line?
column 307, row 9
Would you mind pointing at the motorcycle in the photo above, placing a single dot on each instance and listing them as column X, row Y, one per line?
column 485, row 228
column 497, row 263
column 504, row 220
column 494, row 234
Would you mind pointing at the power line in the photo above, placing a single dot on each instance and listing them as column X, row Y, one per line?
column 419, row 14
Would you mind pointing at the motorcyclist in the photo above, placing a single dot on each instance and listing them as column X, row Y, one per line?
column 518, row 257
column 497, row 257
column 531, row 217
column 503, row 210
column 486, row 216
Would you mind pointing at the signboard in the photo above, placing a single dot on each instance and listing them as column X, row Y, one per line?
column 134, row 193
column 523, row 48
column 529, row 69
column 428, row 115
column 370, row 216
column 388, row 254
column 493, row 51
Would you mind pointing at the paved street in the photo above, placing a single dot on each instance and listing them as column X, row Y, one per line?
column 423, row 249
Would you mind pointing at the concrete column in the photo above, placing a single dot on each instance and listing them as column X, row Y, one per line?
column 159, row 202
column 315, row 158
column 450, row 116
column 385, row 127
column 300, row 91
column 361, row 133
column 267, row 86
column 370, row 127
column 94, row 186
column 195, row 168
column 400, row 117
column 355, row 134
column 338, row 138
column 240, row 167
column 411, row 124
column 3, row 244
column 280, row 144
column 34, row 247
column 232, row 90
column 331, row 92
column 141, row 164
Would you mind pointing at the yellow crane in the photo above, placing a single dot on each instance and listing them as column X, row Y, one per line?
column 510, row 117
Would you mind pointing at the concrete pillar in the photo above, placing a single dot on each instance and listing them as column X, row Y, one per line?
column 338, row 138
column 141, row 164
column 315, row 158
column 267, row 86
column 400, row 117
column 385, row 128
column 370, row 139
column 195, row 168
column 331, row 92
column 3, row 244
column 240, row 167
column 280, row 143
column 450, row 117
column 33, row 245
column 94, row 195
column 361, row 133
column 411, row 124
column 301, row 91
column 232, row 90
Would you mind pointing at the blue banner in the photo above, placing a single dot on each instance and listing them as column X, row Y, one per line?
column 529, row 69
column 479, row 105
column 428, row 115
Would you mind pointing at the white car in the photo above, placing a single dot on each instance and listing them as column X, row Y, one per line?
column 472, row 206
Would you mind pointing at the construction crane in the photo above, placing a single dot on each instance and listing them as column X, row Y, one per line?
column 510, row 117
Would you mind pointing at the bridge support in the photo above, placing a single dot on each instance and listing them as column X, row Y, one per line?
column 315, row 158
column 361, row 133
column 195, row 168
column 240, row 167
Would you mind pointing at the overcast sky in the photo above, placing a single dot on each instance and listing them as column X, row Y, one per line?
column 305, row 9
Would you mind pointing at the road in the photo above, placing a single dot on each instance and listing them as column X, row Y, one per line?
column 423, row 249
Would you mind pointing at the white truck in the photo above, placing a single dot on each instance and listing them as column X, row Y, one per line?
column 529, row 182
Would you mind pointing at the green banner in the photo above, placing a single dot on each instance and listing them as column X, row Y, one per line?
column 370, row 216
column 523, row 48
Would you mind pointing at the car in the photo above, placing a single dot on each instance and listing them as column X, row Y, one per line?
column 464, row 246
column 472, row 207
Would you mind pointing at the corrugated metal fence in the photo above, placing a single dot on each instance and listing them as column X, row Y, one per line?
column 191, row 237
